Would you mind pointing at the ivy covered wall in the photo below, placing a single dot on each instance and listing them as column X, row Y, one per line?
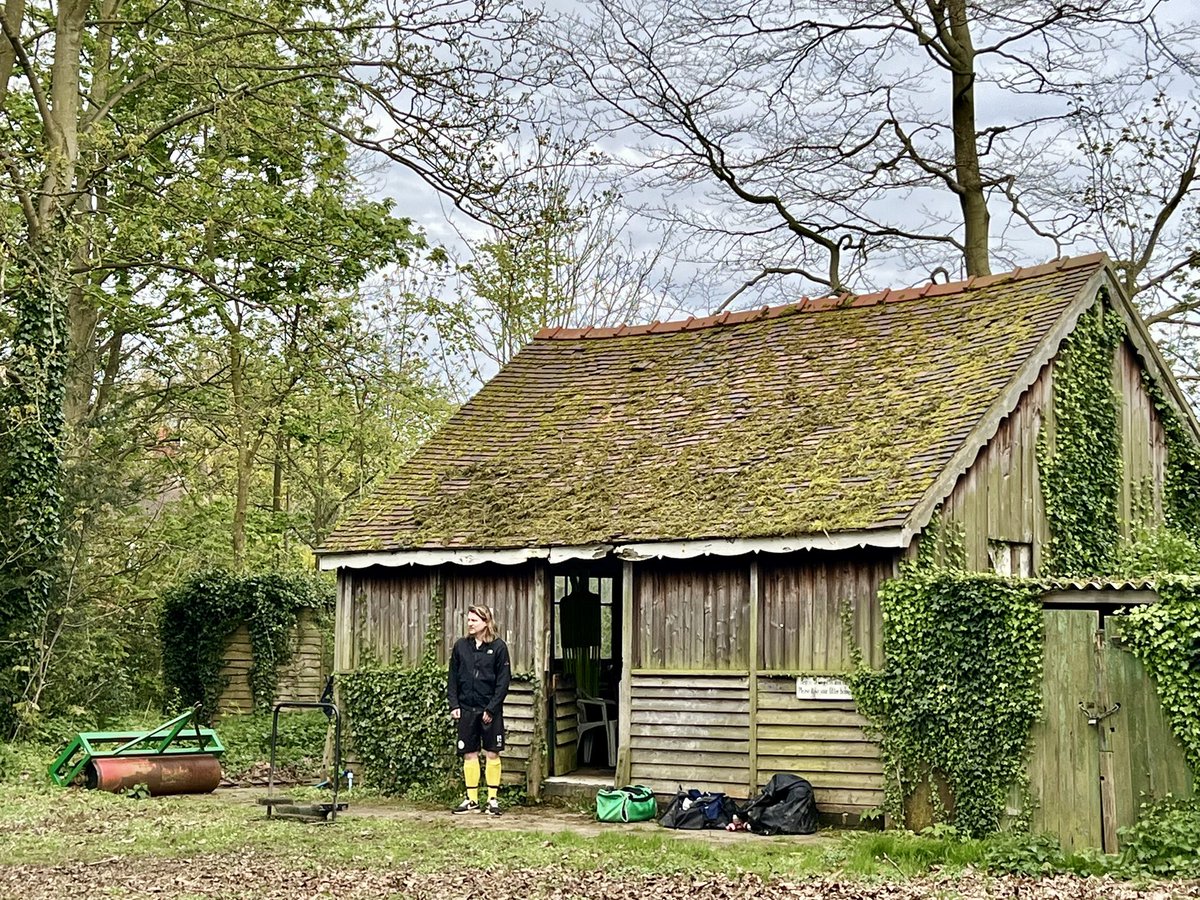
column 1080, row 456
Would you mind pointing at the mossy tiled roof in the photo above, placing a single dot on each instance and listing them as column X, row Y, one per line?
column 824, row 416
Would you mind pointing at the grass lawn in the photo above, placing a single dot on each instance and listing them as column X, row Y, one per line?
column 57, row 842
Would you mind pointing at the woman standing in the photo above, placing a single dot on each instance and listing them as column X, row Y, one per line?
column 479, row 675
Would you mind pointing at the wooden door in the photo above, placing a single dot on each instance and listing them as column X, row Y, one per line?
column 1104, row 744
column 1063, row 771
column 1140, row 757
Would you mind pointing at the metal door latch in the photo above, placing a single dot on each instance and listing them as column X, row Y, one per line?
column 1094, row 718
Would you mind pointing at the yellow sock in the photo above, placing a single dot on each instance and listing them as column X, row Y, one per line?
column 493, row 778
column 471, row 777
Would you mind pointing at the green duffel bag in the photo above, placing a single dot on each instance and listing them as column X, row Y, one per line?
column 634, row 803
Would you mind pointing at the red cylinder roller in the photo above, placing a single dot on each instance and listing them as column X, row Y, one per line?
column 162, row 775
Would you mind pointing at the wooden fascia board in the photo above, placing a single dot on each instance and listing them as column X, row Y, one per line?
column 1152, row 359
column 1005, row 403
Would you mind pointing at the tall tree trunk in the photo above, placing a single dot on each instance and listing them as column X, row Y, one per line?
column 82, row 310
column 31, row 473
column 32, row 430
column 245, row 455
column 971, row 196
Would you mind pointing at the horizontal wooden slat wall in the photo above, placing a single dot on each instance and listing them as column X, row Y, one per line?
column 692, row 730
column 508, row 590
column 800, row 624
column 1144, row 445
column 821, row 740
column 566, row 728
column 518, row 732
column 693, row 614
column 383, row 613
column 302, row 679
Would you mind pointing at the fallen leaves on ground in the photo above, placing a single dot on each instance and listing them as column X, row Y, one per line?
column 266, row 877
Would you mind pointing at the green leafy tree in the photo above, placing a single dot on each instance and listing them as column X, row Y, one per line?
column 122, row 122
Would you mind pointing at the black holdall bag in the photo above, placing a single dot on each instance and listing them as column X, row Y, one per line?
column 785, row 806
column 694, row 810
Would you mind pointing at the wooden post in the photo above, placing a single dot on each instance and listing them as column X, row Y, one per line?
column 542, row 700
column 752, row 673
column 625, row 699
column 442, row 611
column 343, row 622
column 1107, row 770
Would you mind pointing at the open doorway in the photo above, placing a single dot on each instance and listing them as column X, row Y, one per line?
column 585, row 670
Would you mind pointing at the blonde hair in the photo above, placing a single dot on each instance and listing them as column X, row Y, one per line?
column 489, row 622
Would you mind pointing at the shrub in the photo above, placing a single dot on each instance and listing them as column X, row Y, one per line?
column 401, row 727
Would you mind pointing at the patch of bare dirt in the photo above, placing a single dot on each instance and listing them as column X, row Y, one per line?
column 262, row 877
column 550, row 819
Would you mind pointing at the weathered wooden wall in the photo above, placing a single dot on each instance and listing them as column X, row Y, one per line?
column 803, row 599
column 385, row 613
column 1087, row 781
column 508, row 590
column 302, row 679
column 823, row 740
column 518, row 731
column 382, row 614
column 692, row 730
column 1143, row 445
column 566, row 727
column 698, row 731
column 999, row 497
column 692, row 614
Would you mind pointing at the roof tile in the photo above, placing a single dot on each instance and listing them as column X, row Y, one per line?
column 829, row 414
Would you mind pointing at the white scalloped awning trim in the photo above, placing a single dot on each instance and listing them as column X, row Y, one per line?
column 895, row 538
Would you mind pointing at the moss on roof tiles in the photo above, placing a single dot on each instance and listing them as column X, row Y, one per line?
column 822, row 421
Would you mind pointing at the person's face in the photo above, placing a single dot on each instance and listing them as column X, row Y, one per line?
column 474, row 625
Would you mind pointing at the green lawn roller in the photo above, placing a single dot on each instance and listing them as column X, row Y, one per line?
column 170, row 759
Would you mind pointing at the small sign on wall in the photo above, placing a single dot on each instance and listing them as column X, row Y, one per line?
column 821, row 687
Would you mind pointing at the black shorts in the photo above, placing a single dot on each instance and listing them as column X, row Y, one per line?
column 473, row 734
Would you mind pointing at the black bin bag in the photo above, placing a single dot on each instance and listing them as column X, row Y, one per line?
column 785, row 806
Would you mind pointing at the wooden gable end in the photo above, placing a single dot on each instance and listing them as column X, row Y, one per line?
column 997, row 504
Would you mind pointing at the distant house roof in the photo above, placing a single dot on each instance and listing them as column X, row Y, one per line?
column 839, row 415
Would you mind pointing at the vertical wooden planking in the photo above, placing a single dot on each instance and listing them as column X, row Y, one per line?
column 658, row 621
column 799, row 621
column 990, row 457
column 998, row 497
column 543, row 704
column 755, row 602
column 1064, row 764
column 723, row 619
column 629, row 627
column 820, row 621
column 343, row 637
column 672, row 644
column 739, row 622
column 768, row 621
column 1147, row 759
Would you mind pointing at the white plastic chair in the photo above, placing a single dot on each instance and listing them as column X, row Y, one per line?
column 593, row 715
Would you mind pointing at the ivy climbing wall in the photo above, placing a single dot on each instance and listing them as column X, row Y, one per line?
column 1095, row 482
column 301, row 679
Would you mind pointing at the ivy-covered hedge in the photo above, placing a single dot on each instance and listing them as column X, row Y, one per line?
column 400, row 724
column 960, row 690
column 1165, row 636
column 201, row 614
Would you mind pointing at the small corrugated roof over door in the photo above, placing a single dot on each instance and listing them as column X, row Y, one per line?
column 825, row 417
